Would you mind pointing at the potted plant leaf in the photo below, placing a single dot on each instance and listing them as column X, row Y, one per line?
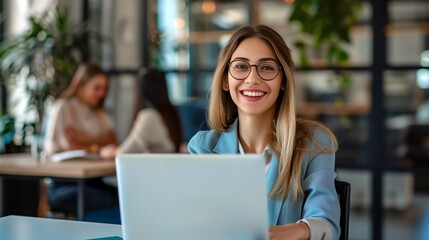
column 42, row 60
column 325, row 26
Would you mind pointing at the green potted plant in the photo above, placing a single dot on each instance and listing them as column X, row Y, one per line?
column 325, row 26
column 43, row 59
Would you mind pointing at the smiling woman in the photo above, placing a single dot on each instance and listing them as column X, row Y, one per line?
column 252, row 110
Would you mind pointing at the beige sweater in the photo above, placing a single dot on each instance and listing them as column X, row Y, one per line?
column 71, row 112
column 148, row 134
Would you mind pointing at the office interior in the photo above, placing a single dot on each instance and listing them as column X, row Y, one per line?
column 380, row 117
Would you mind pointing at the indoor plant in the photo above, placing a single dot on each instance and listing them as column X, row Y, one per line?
column 325, row 28
column 42, row 60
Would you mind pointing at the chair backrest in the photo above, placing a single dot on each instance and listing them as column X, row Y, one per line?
column 193, row 118
column 343, row 190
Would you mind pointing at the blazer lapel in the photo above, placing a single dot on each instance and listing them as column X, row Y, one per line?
column 274, row 205
column 228, row 141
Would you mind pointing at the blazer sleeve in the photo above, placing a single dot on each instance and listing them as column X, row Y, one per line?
column 322, row 201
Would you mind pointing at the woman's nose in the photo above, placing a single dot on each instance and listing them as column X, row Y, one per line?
column 253, row 77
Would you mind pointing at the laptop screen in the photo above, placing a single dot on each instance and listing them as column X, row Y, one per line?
column 182, row 196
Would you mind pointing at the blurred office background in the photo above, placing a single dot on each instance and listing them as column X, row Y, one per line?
column 380, row 112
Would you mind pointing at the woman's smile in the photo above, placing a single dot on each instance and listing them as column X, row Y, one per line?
column 253, row 95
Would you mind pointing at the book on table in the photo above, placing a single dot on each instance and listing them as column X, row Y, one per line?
column 74, row 154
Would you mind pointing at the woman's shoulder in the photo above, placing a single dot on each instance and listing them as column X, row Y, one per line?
column 322, row 134
column 60, row 104
column 149, row 114
column 206, row 135
column 318, row 133
column 203, row 141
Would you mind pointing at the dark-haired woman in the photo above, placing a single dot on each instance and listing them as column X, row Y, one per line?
column 157, row 126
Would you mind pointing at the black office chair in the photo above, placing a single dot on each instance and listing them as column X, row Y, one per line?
column 343, row 191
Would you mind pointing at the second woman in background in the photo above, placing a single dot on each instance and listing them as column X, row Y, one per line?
column 157, row 126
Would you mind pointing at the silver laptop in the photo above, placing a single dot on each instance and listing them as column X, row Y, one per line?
column 182, row 196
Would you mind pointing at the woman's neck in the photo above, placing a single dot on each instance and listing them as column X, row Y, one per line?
column 254, row 132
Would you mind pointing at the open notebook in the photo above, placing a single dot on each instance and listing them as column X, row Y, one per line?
column 74, row 154
column 182, row 196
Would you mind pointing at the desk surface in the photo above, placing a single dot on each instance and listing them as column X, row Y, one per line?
column 26, row 165
column 29, row 228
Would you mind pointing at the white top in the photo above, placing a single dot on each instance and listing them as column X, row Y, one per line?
column 148, row 134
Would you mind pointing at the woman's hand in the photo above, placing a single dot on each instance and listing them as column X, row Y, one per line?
column 109, row 151
column 293, row 231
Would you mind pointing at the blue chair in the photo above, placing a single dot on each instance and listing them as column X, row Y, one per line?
column 193, row 117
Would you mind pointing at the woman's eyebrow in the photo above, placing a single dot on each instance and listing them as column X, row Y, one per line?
column 241, row 58
column 267, row 59
column 260, row 60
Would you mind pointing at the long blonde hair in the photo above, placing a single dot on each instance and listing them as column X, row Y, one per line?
column 289, row 136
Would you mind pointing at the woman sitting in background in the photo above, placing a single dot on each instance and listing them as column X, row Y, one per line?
column 78, row 121
column 157, row 126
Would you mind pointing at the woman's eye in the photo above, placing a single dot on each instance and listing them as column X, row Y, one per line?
column 241, row 67
column 267, row 68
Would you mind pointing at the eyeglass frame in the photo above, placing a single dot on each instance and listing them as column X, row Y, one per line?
column 257, row 71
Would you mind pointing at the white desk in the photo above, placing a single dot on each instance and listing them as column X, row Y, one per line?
column 32, row 228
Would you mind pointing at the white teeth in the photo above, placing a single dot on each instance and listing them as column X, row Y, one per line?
column 253, row 94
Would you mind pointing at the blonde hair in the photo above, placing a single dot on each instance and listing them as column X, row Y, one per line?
column 289, row 136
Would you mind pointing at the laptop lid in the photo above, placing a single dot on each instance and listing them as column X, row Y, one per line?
column 182, row 196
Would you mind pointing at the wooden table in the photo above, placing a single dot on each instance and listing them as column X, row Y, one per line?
column 79, row 170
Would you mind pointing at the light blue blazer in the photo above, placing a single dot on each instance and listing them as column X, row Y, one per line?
column 317, row 178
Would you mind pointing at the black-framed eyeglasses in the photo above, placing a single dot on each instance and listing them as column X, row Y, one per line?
column 267, row 70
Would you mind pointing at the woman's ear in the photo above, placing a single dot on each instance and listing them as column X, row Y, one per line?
column 225, row 86
column 283, row 86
